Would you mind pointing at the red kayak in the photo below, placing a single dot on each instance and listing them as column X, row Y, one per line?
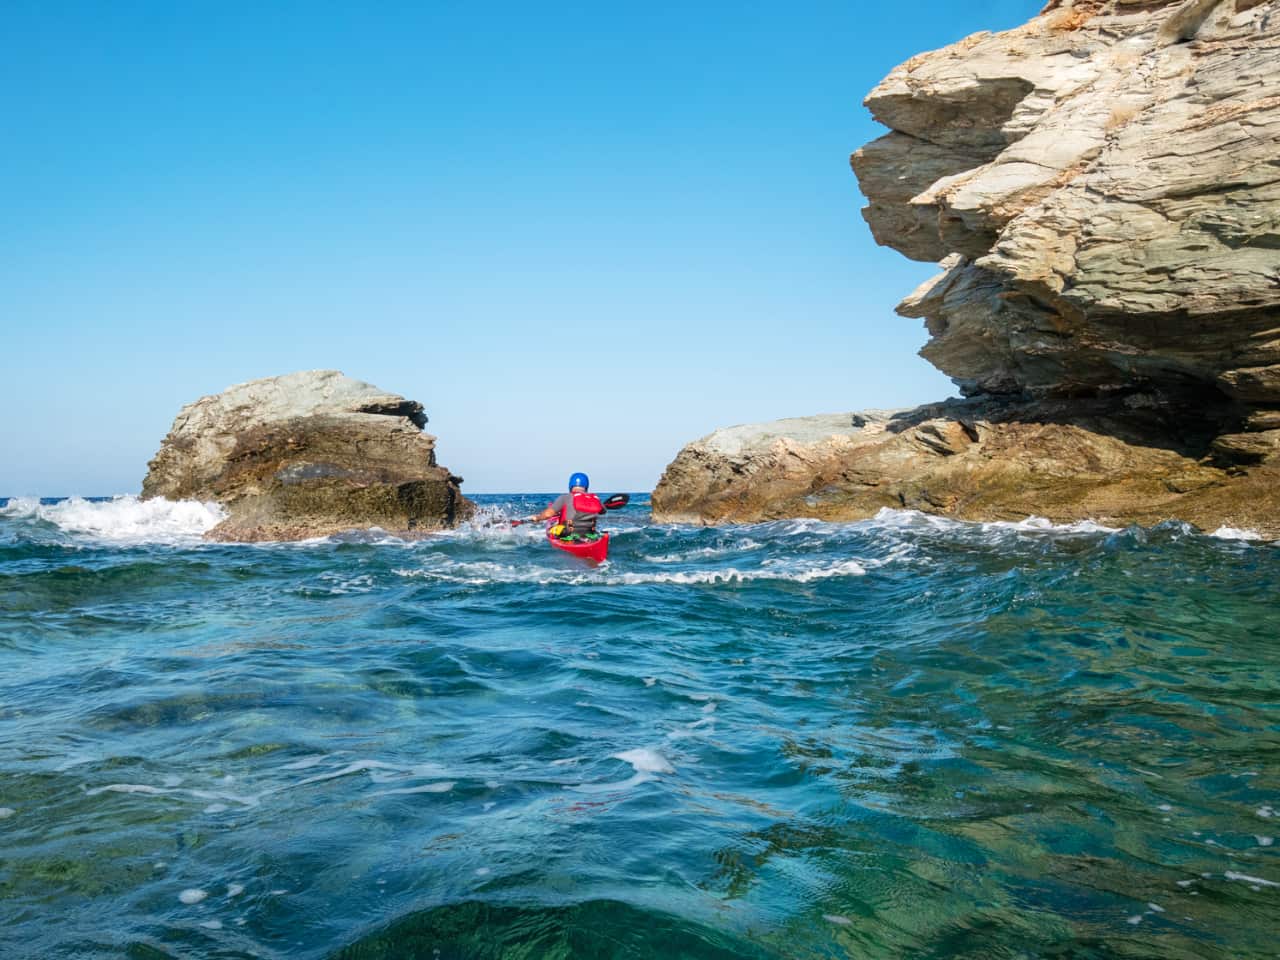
column 596, row 549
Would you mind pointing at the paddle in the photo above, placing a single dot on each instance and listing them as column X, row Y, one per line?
column 616, row 502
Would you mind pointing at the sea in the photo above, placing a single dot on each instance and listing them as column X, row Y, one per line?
column 900, row 737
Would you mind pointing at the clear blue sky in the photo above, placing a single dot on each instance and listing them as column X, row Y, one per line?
column 445, row 199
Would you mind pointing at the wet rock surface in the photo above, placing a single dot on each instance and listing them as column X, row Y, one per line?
column 305, row 455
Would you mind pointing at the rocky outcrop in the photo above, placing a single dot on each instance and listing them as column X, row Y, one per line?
column 1102, row 188
column 305, row 455
column 981, row 459
column 1106, row 184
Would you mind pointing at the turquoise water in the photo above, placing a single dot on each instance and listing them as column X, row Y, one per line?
column 901, row 737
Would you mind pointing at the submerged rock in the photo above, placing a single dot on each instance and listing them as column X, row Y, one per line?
column 1102, row 188
column 305, row 455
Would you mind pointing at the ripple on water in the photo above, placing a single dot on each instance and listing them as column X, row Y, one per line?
column 900, row 737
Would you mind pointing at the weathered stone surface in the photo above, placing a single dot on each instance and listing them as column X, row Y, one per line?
column 1123, row 224
column 1248, row 448
column 1253, row 384
column 304, row 455
column 976, row 460
column 1102, row 188
column 1263, row 420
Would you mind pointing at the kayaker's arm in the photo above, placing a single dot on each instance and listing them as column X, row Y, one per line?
column 553, row 508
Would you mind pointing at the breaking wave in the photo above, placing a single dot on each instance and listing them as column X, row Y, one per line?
column 121, row 519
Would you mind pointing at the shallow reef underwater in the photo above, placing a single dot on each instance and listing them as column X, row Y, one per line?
column 904, row 736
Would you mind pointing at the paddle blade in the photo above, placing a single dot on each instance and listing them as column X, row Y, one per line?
column 617, row 501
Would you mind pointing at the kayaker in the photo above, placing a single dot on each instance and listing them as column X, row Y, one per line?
column 577, row 510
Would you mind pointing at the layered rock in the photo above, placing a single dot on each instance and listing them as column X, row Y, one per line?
column 982, row 459
column 304, row 455
column 1102, row 187
column 1106, row 182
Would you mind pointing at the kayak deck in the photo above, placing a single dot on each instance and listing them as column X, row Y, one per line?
column 597, row 549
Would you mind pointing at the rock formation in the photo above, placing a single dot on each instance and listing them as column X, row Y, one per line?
column 975, row 459
column 1106, row 184
column 306, row 455
column 1102, row 186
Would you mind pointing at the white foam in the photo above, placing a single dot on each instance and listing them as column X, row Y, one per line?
column 914, row 519
column 645, row 760
column 1256, row 881
column 691, row 729
column 1235, row 533
column 125, row 788
column 123, row 519
column 215, row 808
column 336, row 584
column 485, row 572
column 7, row 812
column 20, row 507
column 646, row 763
column 443, row 787
column 1265, row 841
column 614, row 786
column 355, row 767
column 705, row 553
column 234, row 889
column 837, row 919
column 192, row 895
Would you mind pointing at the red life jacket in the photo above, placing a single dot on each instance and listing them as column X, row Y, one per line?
column 582, row 503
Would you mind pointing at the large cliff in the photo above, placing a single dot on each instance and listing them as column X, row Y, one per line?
column 306, row 455
column 1102, row 188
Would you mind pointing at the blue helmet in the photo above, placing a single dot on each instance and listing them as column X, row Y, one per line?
column 580, row 480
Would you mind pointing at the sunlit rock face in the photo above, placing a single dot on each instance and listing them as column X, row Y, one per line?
column 1103, row 184
column 1141, row 461
column 1102, row 189
column 305, row 455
